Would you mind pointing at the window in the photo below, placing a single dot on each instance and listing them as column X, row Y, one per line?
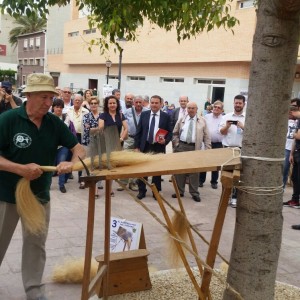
column 136, row 78
column 210, row 81
column 25, row 62
column 31, row 61
column 89, row 31
column 170, row 79
column 113, row 77
column 25, row 44
column 245, row 4
column 75, row 33
column 31, row 43
column 37, row 42
column 37, row 61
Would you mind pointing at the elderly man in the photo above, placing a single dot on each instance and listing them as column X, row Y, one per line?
column 213, row 121
column 179, row 112
column 29, row 137
column 66, row 96
column 76, row 113
column 188, row 135
column 132, row 116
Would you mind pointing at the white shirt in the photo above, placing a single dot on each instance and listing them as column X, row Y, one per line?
column 292, row 126
column 213, row 124
column 234, row 136
column 156, row 122
column 182, row 113
column 185, row 127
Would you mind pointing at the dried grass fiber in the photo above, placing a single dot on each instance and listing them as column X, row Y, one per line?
column 180, row 225
column 71, row 271
column 30, row 210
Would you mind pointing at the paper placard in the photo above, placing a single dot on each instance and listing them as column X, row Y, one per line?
column 124, row 235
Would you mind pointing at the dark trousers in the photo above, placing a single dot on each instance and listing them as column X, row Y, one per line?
column 296, row 176
column 154, row 148
column 214, row 174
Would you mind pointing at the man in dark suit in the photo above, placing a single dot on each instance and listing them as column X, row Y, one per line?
column 179, row 112
column 150, row 122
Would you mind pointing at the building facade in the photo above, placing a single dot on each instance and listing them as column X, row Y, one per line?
column 213, row 65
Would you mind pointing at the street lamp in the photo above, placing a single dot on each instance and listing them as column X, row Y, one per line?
column 120, row 68
column 20, row 68
column 108, row 65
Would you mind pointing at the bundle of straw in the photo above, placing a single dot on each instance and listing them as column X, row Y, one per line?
column 72, row 271
column 180, row 225
column 30, row 210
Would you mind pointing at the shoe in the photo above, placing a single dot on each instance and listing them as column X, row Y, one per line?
column 233, row 202
column 200, row 184
column 297, row 227
column 120, row 189
column 214, row 186
column 170, row 180
column 133, row 187
column 96, row 196
column 71, row 176
column 112, row 194
column 82, row 185
column 291, row 203
column 175, row 196
column 141, row 196
column 62, row 189
column 196, row 198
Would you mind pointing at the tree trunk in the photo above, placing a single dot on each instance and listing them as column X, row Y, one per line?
column 258, row 229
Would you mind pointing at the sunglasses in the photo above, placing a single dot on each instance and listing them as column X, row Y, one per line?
column 93, row 103
column 67, row 92
column 218, row 107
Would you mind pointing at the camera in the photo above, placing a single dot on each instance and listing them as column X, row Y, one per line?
column 7, row 90
column 233, row 122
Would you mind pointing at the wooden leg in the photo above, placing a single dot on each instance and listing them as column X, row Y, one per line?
column 88, row 243
column 227, row 181
column 107, row 236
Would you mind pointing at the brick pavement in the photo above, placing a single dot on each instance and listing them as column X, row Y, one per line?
column 68, row 229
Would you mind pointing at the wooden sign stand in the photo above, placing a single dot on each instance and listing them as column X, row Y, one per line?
column 128, row 271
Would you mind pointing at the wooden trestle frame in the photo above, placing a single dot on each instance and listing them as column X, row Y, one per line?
column 227, row 160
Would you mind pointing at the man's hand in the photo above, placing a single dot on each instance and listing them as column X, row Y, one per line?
column 295, row 114
column 31, row 171
column 64, row 167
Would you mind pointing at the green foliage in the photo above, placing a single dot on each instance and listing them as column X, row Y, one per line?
column 120, row 19
column 7, row 75
column 28, row 23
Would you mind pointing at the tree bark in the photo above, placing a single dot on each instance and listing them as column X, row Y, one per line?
column 258, row 229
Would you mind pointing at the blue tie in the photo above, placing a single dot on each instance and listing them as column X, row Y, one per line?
column 151, row 129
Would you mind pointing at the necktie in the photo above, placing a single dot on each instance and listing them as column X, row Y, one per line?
column 151, row 129
column 190, row 131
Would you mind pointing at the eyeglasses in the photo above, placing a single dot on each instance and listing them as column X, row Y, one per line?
column 93, row 103
column 67, row 92
column 218, row 107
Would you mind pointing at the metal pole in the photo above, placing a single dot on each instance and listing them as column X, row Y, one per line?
column 107, row 75
column 120, row 69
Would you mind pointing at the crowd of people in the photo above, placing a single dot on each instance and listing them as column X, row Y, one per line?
column 54, row 125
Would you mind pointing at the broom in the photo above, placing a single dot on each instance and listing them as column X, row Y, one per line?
column 32, row 211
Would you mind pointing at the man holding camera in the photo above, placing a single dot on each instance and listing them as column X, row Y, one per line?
column 7, row 100
column 232, row 128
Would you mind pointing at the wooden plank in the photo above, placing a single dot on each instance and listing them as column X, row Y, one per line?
column 124, row 255
column 175, row 163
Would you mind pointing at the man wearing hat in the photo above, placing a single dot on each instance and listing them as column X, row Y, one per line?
column 29, row 137
column 7, row 100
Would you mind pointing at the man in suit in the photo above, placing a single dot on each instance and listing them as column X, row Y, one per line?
column 180, row 111
column 189, row 134
column 144, row 140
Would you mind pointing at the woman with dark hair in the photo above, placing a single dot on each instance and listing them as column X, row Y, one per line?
column 63, row 153
column 113, row 117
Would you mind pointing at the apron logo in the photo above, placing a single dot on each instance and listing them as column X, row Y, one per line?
column 22, row 140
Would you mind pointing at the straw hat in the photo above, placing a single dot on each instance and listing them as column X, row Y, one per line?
column 38, row 82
